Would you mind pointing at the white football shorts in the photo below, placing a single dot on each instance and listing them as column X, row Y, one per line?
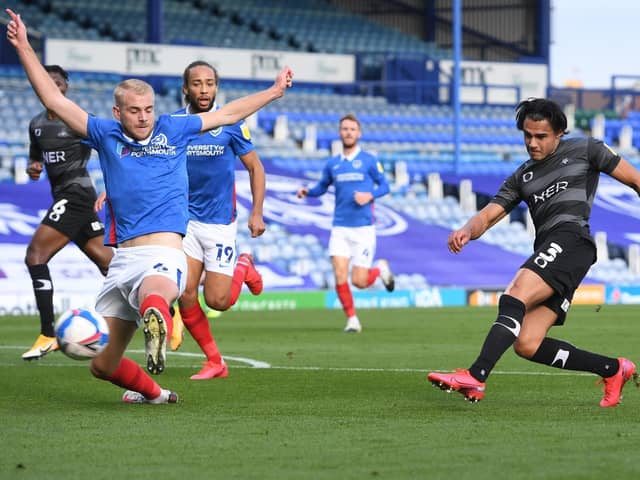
column 357, row 243
column 128, row 268
column 212, row 244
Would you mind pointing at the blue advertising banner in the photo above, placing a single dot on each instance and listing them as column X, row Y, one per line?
column 430, row 297
column 625, row 295
column 410, row 245
column 21, row 209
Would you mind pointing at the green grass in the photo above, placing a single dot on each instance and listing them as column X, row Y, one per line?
column 331, row 405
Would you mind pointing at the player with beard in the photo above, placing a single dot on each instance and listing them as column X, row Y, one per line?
column 358, row 179
column 558, row 183
column 210, row 242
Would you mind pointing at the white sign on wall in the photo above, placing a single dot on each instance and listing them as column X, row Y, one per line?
column 154, row 59
column 486, row 79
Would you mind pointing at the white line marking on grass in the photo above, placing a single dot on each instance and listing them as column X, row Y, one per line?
column 421, row 370
column 249, row 361
column 252, row 363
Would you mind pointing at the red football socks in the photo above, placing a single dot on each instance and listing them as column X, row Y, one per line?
column 159, row 303
column 346, row 299
column 239, row 276
column 198, row 325
column 374, row 273
column 129, row 375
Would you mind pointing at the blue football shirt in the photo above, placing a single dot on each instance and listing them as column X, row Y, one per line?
column 146, row 182
column 211, row 160
column 360, row 173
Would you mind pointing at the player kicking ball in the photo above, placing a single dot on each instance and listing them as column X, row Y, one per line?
column 558, row 183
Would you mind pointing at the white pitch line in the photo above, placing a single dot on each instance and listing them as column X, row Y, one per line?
column 249, row 361
column 252, row 363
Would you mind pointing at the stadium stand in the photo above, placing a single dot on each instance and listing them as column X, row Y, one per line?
column 305, row 25
column 299, row 254
column 413, row 141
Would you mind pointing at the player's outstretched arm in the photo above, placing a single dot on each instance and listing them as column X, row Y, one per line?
column 482, row 221
column 42, row 84
column 241, row 108
column 627, row 174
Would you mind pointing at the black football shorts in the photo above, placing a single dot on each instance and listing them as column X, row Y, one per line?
column 562, row 260
column 72, row 214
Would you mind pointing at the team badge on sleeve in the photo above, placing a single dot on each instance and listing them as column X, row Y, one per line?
column 245, row 131
column 380, row 168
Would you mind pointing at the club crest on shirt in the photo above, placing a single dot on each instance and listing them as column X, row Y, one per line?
column 215, row 132
column 356, row 163
column 159, row 140
column 159, row 145
column 37, row 132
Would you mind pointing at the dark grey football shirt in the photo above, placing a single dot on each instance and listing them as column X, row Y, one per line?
column 61, row 150
column 560, row 189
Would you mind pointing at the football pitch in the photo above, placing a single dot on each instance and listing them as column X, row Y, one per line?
column 305, row 401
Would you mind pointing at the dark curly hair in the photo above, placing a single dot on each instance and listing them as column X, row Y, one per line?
column 538, row 109
column 187, row 73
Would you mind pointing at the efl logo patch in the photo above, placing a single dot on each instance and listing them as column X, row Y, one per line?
column 246, row 134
